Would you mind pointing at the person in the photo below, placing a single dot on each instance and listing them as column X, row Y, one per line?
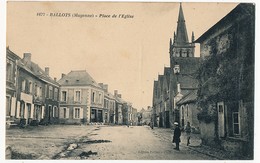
column 188, row 131
column 177, row 135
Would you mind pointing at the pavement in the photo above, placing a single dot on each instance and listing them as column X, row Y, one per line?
column 196, row 144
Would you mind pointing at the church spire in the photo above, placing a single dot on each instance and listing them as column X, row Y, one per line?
column 181, row 36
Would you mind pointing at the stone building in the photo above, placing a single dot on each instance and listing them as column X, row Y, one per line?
column 81, row 99
column 109, row 105
column 35, row 102
column 226, row 93
column 178, row 80
column 11, row 85
column 119, row 108
column 188, row 111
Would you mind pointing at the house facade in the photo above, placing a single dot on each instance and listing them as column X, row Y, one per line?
column 11, row 84
column 81, row 99
column 109, row 105
column 226, row 92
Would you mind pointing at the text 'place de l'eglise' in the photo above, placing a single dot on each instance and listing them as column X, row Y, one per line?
column 214, row 91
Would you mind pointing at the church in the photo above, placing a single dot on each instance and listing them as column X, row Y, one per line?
column 178, row 81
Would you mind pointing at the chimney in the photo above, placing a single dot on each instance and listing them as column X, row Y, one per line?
column 27, row 57
column 115, row 92
column 101, row 85
column 47, row 70
column 55, row 79
column 62, row 75
column 105, row 86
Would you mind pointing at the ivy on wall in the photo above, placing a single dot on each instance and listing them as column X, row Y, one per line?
column 226, row 74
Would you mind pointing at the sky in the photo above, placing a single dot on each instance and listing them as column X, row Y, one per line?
column 127, row 54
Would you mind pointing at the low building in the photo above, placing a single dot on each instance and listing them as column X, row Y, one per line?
column 188, row 111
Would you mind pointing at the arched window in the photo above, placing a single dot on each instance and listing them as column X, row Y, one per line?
column 187, row 109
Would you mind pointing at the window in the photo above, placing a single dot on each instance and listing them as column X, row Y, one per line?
column 64, row 112
column 46, row 91
column 187, row 107
column 30, row 87
column 40, row 91
column 50, row 92
column 77, row 96
column 234, row 107
column 99, row 98
column 78, row 113
column 9, row 71
column 55, row 112
column 236, row 122
column 93, row 97
column 55, row 93
column 64, row 96
column 23, row 85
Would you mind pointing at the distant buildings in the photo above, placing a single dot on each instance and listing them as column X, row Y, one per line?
column 33, row 97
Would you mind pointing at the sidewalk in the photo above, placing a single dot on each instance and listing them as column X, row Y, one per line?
column 195, row 144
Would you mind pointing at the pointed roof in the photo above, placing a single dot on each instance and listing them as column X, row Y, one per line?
column 78, row 78
column 181, row 36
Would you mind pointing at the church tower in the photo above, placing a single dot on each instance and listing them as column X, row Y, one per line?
column 180, row 45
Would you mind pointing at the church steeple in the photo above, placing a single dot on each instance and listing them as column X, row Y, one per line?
column 181, row 36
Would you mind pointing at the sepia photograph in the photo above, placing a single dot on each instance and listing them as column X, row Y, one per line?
column 88, row 80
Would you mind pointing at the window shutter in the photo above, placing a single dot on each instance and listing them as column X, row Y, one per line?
column 32, row 111
column 74, row 113
column 43, row 110
column 13, row 106
column 61, row 114
column 25, row 111
column 81, row 113
column 18, row 109
column 53, row 111
column 67, row 112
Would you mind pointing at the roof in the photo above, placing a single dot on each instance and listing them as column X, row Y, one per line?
column 190, row 97
column 241, row 10
column 12, row 54
column 109, row 95
column 37, row 71
column 78, row 78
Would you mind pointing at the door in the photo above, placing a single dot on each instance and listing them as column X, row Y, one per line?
column 221, row 119
column 50, row 114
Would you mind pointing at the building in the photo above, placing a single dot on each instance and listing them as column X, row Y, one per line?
column 81, row 99
column 178, row 80
column 127, row 113
column 32, row 94
column 226, row 92
column 188, row 111
column 119, row 108
column 109, row 105
column 11, row 85
column 135, row 117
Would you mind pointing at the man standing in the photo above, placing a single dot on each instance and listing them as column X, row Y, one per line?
column 176, row 135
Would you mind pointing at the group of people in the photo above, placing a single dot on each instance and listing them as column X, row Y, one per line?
column 177, row 134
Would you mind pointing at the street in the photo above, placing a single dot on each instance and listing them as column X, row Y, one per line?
column 94, row 142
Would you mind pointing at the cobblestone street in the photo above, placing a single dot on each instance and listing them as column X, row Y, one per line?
column 97, row 142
